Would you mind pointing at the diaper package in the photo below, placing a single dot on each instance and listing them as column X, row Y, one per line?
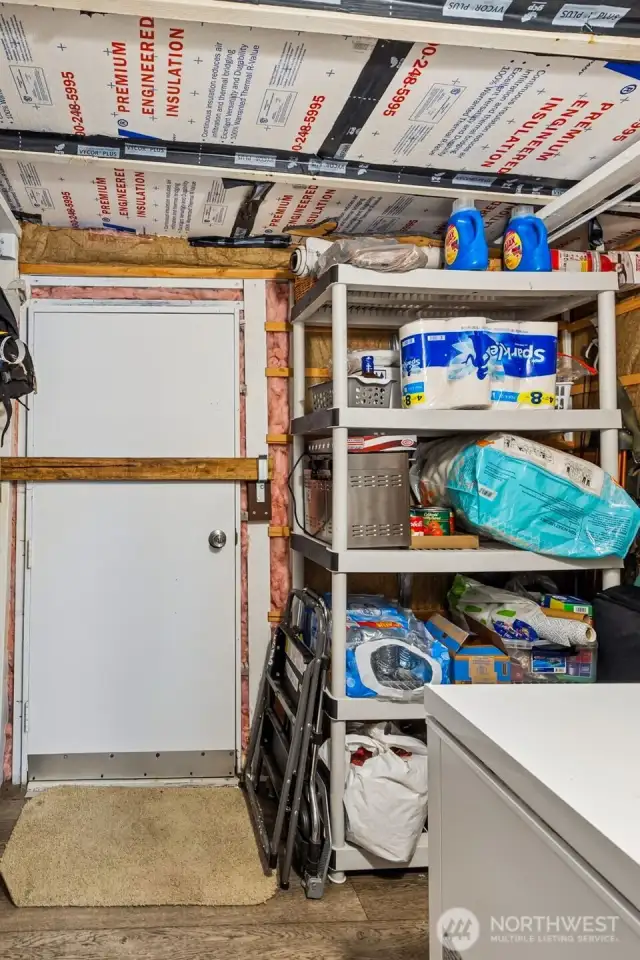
column 522, row 361
column 539, row 498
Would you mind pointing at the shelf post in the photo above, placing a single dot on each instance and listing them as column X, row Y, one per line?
column 298, row 405
column 608, row 391
column 339, row 540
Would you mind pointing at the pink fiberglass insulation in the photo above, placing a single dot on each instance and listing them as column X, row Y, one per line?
column 135, row 293
column 244, row 554
column 10, row 630
column 278, row 412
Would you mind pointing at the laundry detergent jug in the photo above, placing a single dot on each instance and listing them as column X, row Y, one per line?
column 526, row 245
column 465, row 247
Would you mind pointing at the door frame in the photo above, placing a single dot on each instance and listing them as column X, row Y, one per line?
column 25, row 490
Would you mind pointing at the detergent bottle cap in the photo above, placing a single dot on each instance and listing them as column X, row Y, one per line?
column 522, row 210
column 463, row 203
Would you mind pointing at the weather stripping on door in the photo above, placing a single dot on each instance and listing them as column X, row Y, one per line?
column 171, row 764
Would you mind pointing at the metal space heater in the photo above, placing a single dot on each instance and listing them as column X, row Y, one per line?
column 377, row 497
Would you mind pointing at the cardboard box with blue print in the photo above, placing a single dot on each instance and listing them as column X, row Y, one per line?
column 476, row 652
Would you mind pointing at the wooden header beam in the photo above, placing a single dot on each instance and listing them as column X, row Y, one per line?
column 30, row 469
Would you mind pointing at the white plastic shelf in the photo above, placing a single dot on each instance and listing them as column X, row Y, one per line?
column 390, row 299
column 371, row 709
column 349, row 857
column 490, row 557
column 433, row 422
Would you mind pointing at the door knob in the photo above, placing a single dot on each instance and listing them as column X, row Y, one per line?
column 217, row 539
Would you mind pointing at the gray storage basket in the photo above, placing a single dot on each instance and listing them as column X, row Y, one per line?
column 361, row 393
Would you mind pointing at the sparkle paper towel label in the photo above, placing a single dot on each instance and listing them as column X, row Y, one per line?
column 520, row 355
column 72, row 72
column 523, row 368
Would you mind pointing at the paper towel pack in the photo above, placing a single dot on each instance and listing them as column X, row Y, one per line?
column 445, row 364
column 522, row 361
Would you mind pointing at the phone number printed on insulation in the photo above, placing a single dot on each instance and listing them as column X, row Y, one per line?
column 505, row 112
column 138, row 77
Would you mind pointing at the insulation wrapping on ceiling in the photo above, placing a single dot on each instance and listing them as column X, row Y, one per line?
column 475, row 118
column 430, row 105
column 131, row 199
column 354, row 212
column 138, row 77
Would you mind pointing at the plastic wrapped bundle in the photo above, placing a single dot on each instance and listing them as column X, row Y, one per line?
column 388, row 651
column 529, row 495
column 517, row 620
column 384, row 255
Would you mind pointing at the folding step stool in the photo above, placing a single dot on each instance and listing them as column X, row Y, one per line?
column 284, row 744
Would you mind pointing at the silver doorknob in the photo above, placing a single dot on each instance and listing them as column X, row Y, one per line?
column 217, row 539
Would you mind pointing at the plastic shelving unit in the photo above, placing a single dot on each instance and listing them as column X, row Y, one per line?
column 346, row 296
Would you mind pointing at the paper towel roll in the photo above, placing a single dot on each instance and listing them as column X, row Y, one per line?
column 305, row 257
column 522, row 358
column 444, row 363
column 566, row 631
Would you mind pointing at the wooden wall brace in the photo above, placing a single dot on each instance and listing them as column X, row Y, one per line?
column 279, row 438
column 323, row 372
column 622, row 307
column 274, row 616
column 279, row 532
column 278, row 372
column 170, row 273
column 128, row 468
column 591, row 386
column 277, row 326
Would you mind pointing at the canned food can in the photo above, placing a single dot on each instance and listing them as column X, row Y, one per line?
column 367, row 364
column 432, row 522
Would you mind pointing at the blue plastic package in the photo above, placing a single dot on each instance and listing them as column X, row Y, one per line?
column 539, row 498
column 388, row 661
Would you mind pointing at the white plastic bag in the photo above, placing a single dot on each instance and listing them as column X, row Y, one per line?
column 385, row 799
column 384, row 254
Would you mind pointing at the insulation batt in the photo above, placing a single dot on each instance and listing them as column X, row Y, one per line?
column 278, row 414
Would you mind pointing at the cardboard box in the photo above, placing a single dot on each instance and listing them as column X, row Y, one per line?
column 476, row 653
column 556, row 601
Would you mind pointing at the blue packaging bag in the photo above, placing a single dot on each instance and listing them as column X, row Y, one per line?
column 538, row 498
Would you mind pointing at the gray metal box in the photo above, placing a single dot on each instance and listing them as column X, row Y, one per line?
column 377, row 499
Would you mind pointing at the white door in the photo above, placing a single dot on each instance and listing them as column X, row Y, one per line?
column 130, row 615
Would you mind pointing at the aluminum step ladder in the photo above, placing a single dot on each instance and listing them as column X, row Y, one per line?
column 284, row 744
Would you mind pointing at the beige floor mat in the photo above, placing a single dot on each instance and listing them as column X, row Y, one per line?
column 135, row 846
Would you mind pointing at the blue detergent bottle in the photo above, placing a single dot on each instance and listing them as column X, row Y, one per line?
column 526, row 245
column 465, row 247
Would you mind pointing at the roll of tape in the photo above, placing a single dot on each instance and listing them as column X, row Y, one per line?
column 16, row 350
